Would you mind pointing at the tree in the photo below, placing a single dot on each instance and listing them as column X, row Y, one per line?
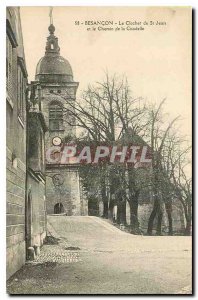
column 180, row 176
column 106, row 113
column 157, row 134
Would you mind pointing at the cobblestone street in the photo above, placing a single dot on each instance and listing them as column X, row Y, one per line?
column 103, row 259
column 51, row 253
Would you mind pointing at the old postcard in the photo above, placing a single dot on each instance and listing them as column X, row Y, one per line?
column 99, row 188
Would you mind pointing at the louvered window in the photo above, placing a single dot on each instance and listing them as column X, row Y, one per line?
column 55, row 117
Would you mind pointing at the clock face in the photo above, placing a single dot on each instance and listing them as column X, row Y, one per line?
column 56, row 141
column 58, row 179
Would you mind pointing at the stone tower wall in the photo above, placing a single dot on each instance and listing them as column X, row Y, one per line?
column 69, row 192
column 66, row 192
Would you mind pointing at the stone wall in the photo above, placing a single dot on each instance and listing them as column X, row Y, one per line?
column 15, row 212
column 16, row 147
column 36, row 187
column 63, row 186
column 145, row 209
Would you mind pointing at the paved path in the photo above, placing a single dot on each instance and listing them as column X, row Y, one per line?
column 94, row 257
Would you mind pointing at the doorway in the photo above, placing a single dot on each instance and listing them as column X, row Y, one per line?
column 58, row 208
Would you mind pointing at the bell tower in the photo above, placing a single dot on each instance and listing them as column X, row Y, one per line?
column 55, row 87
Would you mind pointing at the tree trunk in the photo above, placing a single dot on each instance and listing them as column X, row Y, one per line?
column 123, row 212
column 159, row 222
column 134, row 214
column 188, row 227
column 111, row 205
column 105, row 210
column 152, row 217
column 182, row 218
column 118, row 212
column 157, row 211
column 104, row 197
column 189, row 219
column 168, row 207
column 121, row 209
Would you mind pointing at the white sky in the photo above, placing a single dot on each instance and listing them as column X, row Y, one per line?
column 157, row 61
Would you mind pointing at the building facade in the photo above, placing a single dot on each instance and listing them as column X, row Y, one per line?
column 35, row 188
column 54, row 78
column 15, row 142
column 25, row 186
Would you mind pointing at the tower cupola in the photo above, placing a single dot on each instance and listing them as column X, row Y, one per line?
column 52, row 67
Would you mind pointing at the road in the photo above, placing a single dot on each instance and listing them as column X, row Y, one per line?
column 109, row 261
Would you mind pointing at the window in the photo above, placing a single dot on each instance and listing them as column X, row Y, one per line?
column 8, row 58
column 55, row 117
column 21, row 93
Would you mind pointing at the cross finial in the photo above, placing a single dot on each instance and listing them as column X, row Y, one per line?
column 50, row 15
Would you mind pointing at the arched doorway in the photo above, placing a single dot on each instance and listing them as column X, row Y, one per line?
column 58, row 208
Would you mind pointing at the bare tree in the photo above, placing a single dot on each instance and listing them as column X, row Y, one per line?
column 107, row 112
column 180, row 176
column 157, row 133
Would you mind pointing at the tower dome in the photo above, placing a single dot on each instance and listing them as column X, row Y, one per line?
column 52, row 67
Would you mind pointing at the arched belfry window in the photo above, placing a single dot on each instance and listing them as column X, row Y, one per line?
column 55, row 116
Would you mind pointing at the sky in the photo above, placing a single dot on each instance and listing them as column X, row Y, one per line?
column 156, row 61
